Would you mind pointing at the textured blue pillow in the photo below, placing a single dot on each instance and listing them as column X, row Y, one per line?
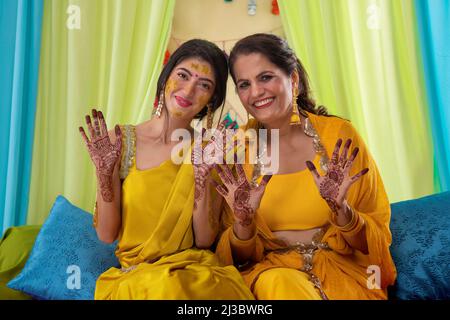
column 67, row 257
column 421, row 247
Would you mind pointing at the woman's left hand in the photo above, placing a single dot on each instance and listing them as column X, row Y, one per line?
column 204, row 158
column 333, row 186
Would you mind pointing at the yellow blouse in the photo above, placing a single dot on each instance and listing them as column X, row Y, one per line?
column 296, row 200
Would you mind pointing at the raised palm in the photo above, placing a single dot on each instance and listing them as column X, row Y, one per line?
column 103, row 153
column 242, row 197
column 204, row 158
column 334, row 185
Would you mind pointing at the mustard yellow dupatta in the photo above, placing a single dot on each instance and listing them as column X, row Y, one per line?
column 345, row 273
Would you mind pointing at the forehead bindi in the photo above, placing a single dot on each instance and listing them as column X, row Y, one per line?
column 197, row 68
column 200, row 68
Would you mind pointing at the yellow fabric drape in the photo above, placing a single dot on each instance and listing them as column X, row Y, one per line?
column 156, row 241
column 343, row 271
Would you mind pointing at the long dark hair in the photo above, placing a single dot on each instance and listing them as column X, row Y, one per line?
column 208, row 52
column 280, row 54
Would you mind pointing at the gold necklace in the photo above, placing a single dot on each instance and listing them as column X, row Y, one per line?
column 311, row 132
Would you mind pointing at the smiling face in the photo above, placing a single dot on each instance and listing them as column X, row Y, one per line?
column 189, row 88
column 264, row 89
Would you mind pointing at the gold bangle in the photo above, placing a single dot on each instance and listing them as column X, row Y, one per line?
column 353, row 221
column 349, row 225
column 357, row 228
column 354, row 226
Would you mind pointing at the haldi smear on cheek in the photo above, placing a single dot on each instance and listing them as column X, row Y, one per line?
column 171, row 84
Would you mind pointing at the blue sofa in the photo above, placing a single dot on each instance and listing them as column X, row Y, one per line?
column 52, row 254
column 421, row 247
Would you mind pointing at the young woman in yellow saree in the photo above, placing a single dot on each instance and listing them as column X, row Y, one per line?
column 146, row 200
column 321, row 233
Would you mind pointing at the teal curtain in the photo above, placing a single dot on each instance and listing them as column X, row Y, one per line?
column 433, row 21
column 20, row 39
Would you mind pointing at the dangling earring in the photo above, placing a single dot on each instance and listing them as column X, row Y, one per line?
column 295, row 116
column 209, row 117
column 158, row 110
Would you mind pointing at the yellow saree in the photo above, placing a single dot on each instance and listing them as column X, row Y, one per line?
column 155, row 246
column 344, row 273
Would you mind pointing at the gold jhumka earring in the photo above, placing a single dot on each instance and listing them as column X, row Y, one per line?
column 158, row 110
column 295, row 116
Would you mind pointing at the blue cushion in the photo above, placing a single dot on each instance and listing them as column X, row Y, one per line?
column 421, row 247
column 67, row 257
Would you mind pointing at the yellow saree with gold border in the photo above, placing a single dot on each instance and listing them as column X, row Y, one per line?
column 344, row 272
column 155, row 245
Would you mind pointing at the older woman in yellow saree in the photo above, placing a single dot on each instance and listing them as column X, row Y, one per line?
column 146, row 201
column 317, row 227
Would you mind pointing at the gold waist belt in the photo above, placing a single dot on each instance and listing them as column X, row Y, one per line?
column 307, row 252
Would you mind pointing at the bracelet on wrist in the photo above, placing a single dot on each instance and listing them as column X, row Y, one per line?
column 355, row 224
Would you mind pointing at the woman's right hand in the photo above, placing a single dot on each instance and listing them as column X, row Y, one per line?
column 103, row 153
column 242, row 197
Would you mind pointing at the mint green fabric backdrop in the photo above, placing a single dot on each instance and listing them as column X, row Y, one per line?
column 363, row 61
column 94, row 53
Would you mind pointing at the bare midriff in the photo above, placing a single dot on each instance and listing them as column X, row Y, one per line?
column 294, row 237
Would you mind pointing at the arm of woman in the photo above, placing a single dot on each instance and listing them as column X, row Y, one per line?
column 207, row 203
column 206, row 216
column 367, row 236
column 244, row 200
column 104, row 149
column 334, row 187
column 108, row 219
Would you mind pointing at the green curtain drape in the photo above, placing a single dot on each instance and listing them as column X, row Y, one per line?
column 363, row 61
column 94, row 53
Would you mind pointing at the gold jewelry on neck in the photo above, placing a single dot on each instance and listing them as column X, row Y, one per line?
column 308, row 129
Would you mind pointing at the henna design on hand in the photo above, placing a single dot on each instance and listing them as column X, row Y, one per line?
column 106, row 187
column 102, row 152
column 333, row 187
column 241, row 206
column 329, row 190
column 243, row 198
column 203, row 159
